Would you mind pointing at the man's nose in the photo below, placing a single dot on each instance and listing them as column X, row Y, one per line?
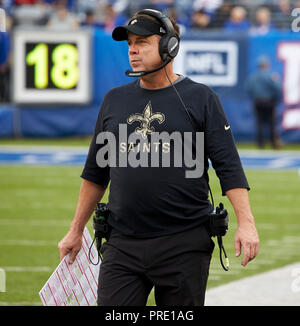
column 133, row 49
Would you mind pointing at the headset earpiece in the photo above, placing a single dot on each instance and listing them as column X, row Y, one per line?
column 169, row 43
column 172, row 47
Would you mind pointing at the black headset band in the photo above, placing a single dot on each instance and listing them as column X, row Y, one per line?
column 162, row 18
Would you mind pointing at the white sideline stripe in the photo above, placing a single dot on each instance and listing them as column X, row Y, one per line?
column 20, row 303
column 220, row 271
column 28, row 243
column 268, row 153
column 267, row 226
column 27, row 268
column 43, row 149
column 20, row 222
column 278, row 287
column 84, row 149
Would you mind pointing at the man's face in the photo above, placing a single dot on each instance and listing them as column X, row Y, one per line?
column 143, row 52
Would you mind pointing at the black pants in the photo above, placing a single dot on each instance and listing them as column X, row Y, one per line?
column 265, row 115
column 176, row 266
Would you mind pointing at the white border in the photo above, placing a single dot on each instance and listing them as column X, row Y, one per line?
column 210, row 46
column 81, row 95
column 291, row 119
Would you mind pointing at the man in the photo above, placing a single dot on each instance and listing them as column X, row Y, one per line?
column 263, row 87
column 158, row 215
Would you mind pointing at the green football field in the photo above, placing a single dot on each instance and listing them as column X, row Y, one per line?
column 37, row 205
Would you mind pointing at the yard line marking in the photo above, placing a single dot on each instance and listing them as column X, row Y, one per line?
column 20, row 222
column 265, row 261
column 291, row 239
column 27, row 243
column 272, row 243
column 214, row 277
column 27, row 268
column 43, row 149
column 292, row 227
column 213, row 271
column 267, row 226
column 20, row 303
column 2, row 280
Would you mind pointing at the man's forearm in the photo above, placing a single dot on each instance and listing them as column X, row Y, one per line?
column 246, row 236
column 90, row 194
column 239, row 199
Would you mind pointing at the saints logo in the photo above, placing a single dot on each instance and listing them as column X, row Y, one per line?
column 145, row 120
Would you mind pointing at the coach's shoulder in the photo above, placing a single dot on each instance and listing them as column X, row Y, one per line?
column 202, row 90
column 118, row 91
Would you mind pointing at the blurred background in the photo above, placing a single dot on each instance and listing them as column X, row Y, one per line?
column 58, row 60
column 223, row 43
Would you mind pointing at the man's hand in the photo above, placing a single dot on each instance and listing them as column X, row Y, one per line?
column 70, row 244
column 90, row 194
column 246, row 238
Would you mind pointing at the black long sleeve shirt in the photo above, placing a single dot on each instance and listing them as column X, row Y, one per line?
column 155, row 200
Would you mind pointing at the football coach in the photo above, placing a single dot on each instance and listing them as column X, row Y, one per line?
column 159, row 218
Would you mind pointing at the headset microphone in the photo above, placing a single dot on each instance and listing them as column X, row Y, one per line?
column 130, row 73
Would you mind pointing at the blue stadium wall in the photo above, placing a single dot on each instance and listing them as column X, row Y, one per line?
column 110, row 62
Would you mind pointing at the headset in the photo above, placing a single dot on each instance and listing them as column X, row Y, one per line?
column 168, row 45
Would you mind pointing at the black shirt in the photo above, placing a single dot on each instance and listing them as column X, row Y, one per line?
column 154, row 201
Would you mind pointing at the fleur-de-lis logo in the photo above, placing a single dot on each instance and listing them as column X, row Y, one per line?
column 145, row 119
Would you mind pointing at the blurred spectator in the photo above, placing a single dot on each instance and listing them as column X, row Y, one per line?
column 161, row 5
column 84, row 5
column 201, row 20
column 253, row 3
column 184, row 10
column 120, row 5
column 221, row 15
column 62, row 19
column 208, row 6
column 181, row 20
column 263, row 25
column 29, row 15
column 95, row 6
column 282, row 15
column 5, row 62
column 134, row 6
column 70, row 4
column 184, row 5
column 24, row 2
column 113, row 18
column 264, row 89
column 237, row 20
column 7, row 5
column 90, row 20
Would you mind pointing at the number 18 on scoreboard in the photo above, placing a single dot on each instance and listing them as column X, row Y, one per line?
column 51, row 67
